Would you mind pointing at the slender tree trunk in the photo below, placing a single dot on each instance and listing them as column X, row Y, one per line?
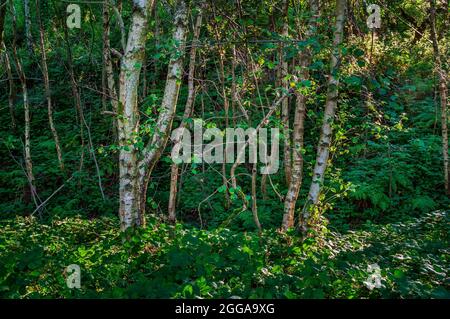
column 221, row 72
column 79, row 108
column 323, row 148
column 173, row 192
column 155, row 61
column 28, row 35
column 299, row 118
column 187, row 113
column 2, row 18
column 44, row 68
column 75, row 93
column 109, row 85
column 27, row 115
column 28, row 161
column 285, row 105
column 12, row 88
column 11, row 92
column 154, row 149
column 110, row 90
column 233, row 87
column 442, row 93
column 144, row 79
column 254, row 199
column 240, row 155
column 105, row 51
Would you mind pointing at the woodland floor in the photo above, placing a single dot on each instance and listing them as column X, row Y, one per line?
column 164, row 261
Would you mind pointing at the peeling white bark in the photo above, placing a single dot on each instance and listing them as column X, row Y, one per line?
column 323, row 149
column 153, row 150
column 135, row 166
column 128, row 116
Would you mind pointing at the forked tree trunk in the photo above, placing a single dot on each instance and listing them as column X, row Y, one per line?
column 136, row 165
column 299, row 118
column 323, row 147
column 187, row 113
column 47, row 90
column 442, row 93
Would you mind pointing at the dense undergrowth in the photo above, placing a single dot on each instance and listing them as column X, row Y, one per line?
column 164, row 261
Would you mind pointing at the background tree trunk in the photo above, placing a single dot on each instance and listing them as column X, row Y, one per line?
column 187, row 113
column 48, row 95
column 442, row 93
column 285, row 106
column 12, row 87
column 27, row 116
column 110, row 89
column 75, row 92
column 2, row 18
column 299, row 118
column 28, row 35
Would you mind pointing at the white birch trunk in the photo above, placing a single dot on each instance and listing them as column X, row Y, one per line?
column 128, row 116
column 135, row 167
column 153, row 150
column 323, row 148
